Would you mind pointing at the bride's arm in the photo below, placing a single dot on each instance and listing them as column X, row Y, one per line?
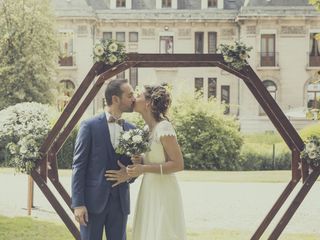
column 174, row 160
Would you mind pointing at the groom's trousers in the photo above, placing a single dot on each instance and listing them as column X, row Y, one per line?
column 112, row 218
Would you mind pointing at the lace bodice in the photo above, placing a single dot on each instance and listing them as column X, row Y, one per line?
column 156, row 153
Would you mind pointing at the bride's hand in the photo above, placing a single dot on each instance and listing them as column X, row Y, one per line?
column 134, row 171
column 136, row 159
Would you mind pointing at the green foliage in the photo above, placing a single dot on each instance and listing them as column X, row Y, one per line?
column 134, row 118
column 257, row 152
column 28, row 51
column 209, row 139
column 310, row 130
column 260, row 156
column 65, row 155
column 315, row 3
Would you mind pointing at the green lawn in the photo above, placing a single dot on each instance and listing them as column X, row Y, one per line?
column 26, row 228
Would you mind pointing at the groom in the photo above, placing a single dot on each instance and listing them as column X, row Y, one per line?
column 96, row 203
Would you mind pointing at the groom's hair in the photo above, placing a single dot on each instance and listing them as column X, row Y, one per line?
column 114, row 89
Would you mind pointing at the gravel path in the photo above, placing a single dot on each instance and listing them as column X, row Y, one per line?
column 207, row 205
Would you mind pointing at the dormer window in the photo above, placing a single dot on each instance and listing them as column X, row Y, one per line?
column 212, row 3
column 166, row 4
column 120, row 3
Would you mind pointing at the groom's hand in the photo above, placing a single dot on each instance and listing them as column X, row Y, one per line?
column 81, row 215
column 117, row 176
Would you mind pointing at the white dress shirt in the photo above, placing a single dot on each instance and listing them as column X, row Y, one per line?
column 114, row 130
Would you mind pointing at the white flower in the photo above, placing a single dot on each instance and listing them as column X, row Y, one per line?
column 137, row 139
column 126, row 136
column 98, row 50
column 23, row 149
column 310, row 147
column 112, row 59
column 146, row 128
column 312, row 155
column 228, row 59
column 243, row 56
column 113, row 47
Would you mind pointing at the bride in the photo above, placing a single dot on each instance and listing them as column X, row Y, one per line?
column 159, row 213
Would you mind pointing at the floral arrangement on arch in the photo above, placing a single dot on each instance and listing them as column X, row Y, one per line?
column 235, row 55
column 23, row 128
column 133, row 142
column 311, row 152
column 109, row 52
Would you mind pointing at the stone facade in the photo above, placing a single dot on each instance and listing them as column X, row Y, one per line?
column 278, row 31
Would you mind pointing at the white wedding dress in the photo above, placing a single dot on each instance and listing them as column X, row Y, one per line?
column 159, row 210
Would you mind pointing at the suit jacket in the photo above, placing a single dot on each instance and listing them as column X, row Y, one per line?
column 93, row 155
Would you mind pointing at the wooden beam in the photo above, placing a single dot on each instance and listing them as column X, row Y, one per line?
column 55, row 204
column 274, row 210
column 93, row 92
column 54, row 178
column 312, row 178
column 95, row 70
column 275, row 114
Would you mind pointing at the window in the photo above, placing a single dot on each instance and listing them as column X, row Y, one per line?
column 120, row 3
column 225, row 97
column 166, row 44
column 121, row 75
column 66, row 54
column 313, row 94
column 133, row 36
column 267, row 55
column 107, row 35
column 314, row 54
column 212, row 3
column 166, row 4
column 66, row 89
column 121, row 36
column 212, row 87
column 198, row 42
column 133, row 79
column 198, row 85
column 272, row 89
column 212, row 42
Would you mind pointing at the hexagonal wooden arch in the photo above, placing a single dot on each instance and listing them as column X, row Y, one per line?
column 71, row 115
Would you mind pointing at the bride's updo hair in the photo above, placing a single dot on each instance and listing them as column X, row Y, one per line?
column 160, row 100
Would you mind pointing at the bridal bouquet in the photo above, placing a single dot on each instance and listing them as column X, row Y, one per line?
column 311, row 152
column 133, row 142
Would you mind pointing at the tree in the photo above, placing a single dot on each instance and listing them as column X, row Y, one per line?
column 315, row 3
column 27, row 51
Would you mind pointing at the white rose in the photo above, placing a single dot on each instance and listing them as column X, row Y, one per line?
column 126, row 136
column 312, row 155
column 310, row 147
column 137, row 139
column 113, row 47
column 243, row 56
column 98, row 50
column 112, row 59
column 228, row 59
column 23, row 149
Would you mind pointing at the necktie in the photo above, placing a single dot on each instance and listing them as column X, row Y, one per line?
column 119, row 121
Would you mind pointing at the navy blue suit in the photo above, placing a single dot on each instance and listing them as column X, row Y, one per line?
column 107, row 206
